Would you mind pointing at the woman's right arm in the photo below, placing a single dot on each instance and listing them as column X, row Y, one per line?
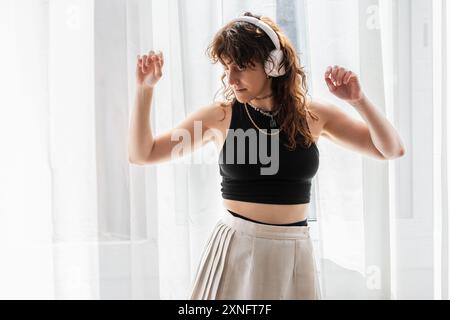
column 140, row 136
column 195, row 131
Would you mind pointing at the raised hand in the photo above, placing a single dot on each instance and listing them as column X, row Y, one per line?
column 149, row 69
column 343, row 83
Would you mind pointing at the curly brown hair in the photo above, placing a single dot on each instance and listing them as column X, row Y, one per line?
column 244, row 43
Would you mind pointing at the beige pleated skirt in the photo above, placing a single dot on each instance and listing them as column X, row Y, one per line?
column 248, row 260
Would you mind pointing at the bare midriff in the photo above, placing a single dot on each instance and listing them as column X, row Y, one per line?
column 268, row 213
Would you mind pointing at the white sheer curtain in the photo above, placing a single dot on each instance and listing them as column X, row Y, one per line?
column 384, row 225
column 77, row 221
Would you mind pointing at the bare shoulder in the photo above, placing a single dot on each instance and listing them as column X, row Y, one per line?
column 218, row 113
column 317, row 106
column 319, row 110
column 219, row 118
column 211, row 113
column 328, row 112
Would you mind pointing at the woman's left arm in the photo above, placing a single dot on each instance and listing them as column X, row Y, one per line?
column 345, row 85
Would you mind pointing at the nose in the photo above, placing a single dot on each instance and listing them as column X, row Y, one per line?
column 232, row 78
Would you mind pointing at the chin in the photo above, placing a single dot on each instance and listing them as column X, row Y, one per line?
column 242, row 99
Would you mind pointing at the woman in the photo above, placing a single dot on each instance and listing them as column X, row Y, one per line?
column 261, row 247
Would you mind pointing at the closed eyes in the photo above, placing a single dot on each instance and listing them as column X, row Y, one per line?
column 239, row 69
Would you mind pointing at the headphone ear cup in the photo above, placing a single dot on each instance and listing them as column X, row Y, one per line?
column 272, row 68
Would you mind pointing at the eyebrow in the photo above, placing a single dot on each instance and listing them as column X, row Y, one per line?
column 228, row 61
column 231, row 64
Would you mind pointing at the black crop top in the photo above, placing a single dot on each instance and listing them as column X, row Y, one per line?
column 257, row 174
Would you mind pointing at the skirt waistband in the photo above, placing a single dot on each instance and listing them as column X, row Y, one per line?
column 264, row 230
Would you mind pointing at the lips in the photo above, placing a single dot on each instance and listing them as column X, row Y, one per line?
column 240, row 90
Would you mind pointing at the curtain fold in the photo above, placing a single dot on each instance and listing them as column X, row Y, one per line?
column 395, row 243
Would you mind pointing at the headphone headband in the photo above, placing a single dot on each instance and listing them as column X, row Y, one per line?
column 259, row 23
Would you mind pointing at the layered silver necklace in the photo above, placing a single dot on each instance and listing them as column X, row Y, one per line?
column 270, row 114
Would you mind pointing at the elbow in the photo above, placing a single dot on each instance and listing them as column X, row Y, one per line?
column 400, row 153
column 139, row 161
column 139, row 158
column 135, row 162
column 133, row 159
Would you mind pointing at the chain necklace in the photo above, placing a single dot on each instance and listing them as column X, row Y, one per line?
column 273, row 123
column 262, row 98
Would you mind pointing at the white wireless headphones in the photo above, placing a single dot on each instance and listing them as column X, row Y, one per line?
column 276, row 54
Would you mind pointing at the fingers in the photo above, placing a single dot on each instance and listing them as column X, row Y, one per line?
column 139, row 63
column 328, row 72
column 150, row 62
column 337, row 75
column 161, row 57
column 159, row 62
column 330, row 84
column 144, row 63
column 158, row 59
column 348, row 75
column 149, row 58
column 340, row 75
column 334, row 72
column 150, row 67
